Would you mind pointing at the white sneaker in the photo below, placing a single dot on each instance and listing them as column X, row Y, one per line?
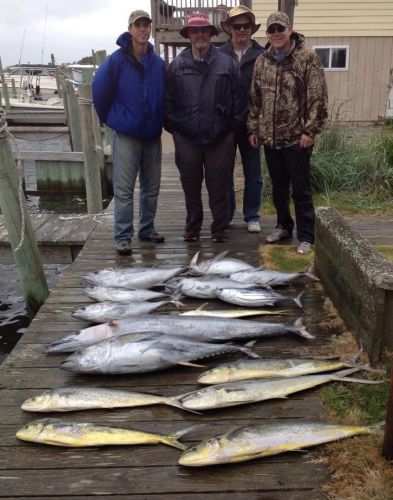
column 253, row 226
column 304, row 248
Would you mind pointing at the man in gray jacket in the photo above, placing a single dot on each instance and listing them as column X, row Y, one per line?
column 203, row 109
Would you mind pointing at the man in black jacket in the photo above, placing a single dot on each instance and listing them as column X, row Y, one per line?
column 203, row 108
column 240, row 25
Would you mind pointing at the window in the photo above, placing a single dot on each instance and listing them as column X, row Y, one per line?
column 333, row 57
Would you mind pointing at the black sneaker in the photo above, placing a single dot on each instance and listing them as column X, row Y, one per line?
column 153, row 238
column 220, row 237
column 190, row 237
column 123, row 248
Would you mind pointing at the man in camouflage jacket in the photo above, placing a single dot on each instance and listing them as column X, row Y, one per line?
column 288, row 108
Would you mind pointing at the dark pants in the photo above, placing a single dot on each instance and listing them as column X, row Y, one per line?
column 290, row 168
column 214, row 162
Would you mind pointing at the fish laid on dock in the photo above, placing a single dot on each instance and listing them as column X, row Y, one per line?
column 103, row 293
column 134, row 277
column 255, row 297
column 247, row 369
column 196, row 328
column 205, row 287
column 108, row 311
column 154, row 351
column 230, row 313
column 269, row 277
column 89, row 398
column 247, row 443
column 220, row 264
column 57, row 432
column 252, row 391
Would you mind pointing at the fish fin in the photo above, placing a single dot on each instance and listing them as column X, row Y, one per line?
column 176, row 295
column 248, row 351
column 202, row 307
column 176, row 303
column 301, row 330
column 194, row 260
column 219, row 256
column 358, row 380
column 174, row 401
column 173, row 438
column 309, row 272
column 188, row 363
column 344, row 373
column 297, row 299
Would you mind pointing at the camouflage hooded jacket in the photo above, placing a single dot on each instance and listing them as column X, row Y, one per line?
column 287, row 98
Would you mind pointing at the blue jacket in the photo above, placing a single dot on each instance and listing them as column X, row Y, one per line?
column 203, row 100
column 129, row 95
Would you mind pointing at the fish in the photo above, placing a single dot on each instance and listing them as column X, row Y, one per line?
column 246, row 369
column 107, row 311
column 154, row 351
column 103, row 293
column 229, row 313
column 220, row 264
column 88, row 398
column 197, row 328
column 255, row 298
column 253, row 391
column 263, row 440
column 58, row 432
column 205, row 287
column 132, row 277
column 269, row 277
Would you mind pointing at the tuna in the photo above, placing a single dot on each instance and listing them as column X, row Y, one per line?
column 103, row 293
column 269, row 277
column 206, row 287
column 220, row 264
column 255, row 298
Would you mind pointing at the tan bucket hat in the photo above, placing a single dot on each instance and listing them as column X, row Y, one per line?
column 240, row 10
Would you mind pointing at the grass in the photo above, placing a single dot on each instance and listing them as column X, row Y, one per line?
column 284, row 258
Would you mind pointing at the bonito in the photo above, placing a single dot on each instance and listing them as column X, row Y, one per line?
column 196, row 328
column 133, row 277
column 205, row 287
column 247, row 443
column 88, row 398
column 108, row 311
column 103, row 293
column 268, row 277
column 252, row 391
column 255, row 297
column 57, row 432
column 220, row 264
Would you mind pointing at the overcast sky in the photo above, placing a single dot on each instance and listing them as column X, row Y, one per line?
column 72, row 29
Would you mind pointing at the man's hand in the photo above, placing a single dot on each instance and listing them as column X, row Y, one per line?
column 305, row 141
column 253, row 141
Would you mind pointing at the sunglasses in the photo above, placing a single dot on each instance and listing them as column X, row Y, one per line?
column 238, row 27
column 275, row 28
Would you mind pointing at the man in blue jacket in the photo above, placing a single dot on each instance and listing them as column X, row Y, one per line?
column 128, row 94
column 203, row 108
column 240, row 25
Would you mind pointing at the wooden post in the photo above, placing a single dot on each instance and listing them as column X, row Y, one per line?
column 14, row 92
column 387, row 447
column 58, row 85
column 288, row 6
column 20, row 231
column 5, row 88
column 91, row 159
column 73, row 116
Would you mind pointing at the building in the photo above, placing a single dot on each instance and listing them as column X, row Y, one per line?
column 353, row 37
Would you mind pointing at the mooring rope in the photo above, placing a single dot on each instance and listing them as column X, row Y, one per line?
column 4, row 133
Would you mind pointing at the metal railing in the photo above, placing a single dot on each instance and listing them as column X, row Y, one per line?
column 171, row 15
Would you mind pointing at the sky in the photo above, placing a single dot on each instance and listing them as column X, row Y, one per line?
column 72, row 28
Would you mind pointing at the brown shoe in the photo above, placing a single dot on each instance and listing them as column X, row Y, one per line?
column 278, row 234
column 123, row 248
column 220, row 237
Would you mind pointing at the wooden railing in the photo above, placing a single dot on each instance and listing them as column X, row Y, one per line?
column 171, row 15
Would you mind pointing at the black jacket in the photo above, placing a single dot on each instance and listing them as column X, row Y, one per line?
column 203, row 100
column 246, row 67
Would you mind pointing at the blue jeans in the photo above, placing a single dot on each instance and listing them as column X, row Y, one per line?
column 132, row 157
column 253, row 182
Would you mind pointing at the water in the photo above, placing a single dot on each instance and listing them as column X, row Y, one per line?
column 13, row 314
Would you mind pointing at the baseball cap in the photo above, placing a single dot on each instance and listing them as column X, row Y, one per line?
column 138, row 14
column 278, row 18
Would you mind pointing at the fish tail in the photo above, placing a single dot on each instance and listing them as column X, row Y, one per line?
column 301, row 330
column 174, row 401
column 358, row 380
column 309, row 273
column 176, row 295
column 356, row 356
column 172, row 439
column 176, row 303
column 297, row 299
column 377, row 428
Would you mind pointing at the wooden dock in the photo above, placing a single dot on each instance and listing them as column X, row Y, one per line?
column 141, row 472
